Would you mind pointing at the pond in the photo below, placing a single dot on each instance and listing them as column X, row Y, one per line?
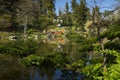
column 43, row 60
column 11, row 69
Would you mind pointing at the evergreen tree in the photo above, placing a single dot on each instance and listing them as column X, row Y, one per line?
column 67, row 11
column 48, row 7
column 9, row 7
column 82, row 14
column 74, row 6
column 67, row 7
column 28, row 12
column 60, row 12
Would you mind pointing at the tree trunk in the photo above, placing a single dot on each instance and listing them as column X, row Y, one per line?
column 25, row 28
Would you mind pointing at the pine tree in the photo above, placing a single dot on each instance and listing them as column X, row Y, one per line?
column 9, row 7
column 74, row 6
column 48, row 7
column 67, row 11
column 82, row 14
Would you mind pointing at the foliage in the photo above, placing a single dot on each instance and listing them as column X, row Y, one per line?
column 112, row 32
column 57, row 60
column 74, row 5
column 27, row 13
column 113, row 69
column 82, row 13
column 108, row 51
column 67, row 7
column 97, row 60
column 86, row 48
column 93, row 71
column 113, row 72
column 96, row 69
column 96, row 13
column 10, row 50
column 112, row 55
column 86, row 43
column 32, row 60
column 39, row 15
column 76, row 38
column 77, row 64
column 96, row 47
column 19, row 48
column 5, row 18
column 112, row 45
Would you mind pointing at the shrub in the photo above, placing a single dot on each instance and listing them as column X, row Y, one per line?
column 78, row 64
column 32, row 60
column 19, row 48
column 112, row 45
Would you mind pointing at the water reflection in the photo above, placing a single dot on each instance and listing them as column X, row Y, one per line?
column 57, row 75
column 11, row 69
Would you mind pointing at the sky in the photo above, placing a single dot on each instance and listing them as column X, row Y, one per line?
column 104, row 4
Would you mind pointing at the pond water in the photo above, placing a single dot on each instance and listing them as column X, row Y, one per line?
column 11, row 67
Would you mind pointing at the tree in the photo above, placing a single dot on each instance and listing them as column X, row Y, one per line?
column 96, row 18
column 74, row 6
column 67, row 11
column 28, row 12
column 9, row 7
column 82, row 14
column 60, row 12
column 48, row 8
column 67, row 7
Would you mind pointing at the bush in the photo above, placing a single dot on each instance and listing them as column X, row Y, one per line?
column 96, row 47
column 112, row 45
column 19, row 48
column 57, row 60
column 93, row 72
column 32, row 60
column 86, row 48
column 77, row 64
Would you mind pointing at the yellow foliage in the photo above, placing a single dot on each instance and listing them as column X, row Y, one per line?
column 88, row 24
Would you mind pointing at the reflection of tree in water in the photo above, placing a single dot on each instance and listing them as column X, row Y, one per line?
column 71, row 75
column 37, row 75
column 48, row 73
column 52, row 74
column 41, row 74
